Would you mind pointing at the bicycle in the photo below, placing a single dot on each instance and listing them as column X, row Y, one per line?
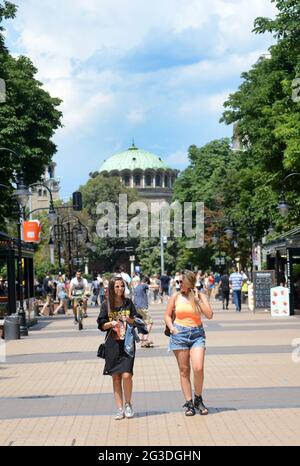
column 78, row 301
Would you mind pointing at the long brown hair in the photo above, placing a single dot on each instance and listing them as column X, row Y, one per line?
column 190, row 279
column 111, row 291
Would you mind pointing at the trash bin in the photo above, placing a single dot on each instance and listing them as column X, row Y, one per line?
column 12, row 327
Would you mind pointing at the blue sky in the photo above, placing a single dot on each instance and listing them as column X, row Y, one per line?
column 157, row 71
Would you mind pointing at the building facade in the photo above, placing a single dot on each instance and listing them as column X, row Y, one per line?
column 40, row 197
column 144, row 171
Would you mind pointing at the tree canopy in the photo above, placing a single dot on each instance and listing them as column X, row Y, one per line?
column 29, row 118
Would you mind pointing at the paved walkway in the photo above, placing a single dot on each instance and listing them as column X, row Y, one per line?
column 52, row 391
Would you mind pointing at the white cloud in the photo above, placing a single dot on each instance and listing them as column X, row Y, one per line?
column 63, row 37
column 136, row 116
column 204, row 104
column 82, row 49
column 177, row 159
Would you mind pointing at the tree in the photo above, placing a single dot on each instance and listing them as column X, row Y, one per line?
column 28, row 119
column 7, row 11
column 235, row 194
column 265, row 111
column 101, row 189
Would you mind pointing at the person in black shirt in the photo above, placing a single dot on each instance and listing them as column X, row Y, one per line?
column 116, row 312
column 164, row 286
column 48, row 289
column 225, row 289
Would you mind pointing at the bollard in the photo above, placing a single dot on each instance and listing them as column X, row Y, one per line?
column 12, row 327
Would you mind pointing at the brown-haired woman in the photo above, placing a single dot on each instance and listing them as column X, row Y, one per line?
column 187, row 338
column 116, row 311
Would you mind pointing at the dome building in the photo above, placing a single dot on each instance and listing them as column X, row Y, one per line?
column 144, row 171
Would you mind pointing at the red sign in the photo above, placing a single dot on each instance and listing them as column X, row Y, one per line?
column 32, row 231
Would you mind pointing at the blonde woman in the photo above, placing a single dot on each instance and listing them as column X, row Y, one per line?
column 187, row 338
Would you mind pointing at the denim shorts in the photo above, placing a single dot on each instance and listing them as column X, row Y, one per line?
column 187, row 338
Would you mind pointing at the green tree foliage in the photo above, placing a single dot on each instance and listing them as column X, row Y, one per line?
column 7, row 11
column 101, row 189
column 266, row 109
column 28, row 120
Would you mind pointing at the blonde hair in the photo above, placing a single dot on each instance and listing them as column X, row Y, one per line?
column 190, row 279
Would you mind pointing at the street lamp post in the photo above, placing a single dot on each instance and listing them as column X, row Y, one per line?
column 283, row 206
column 73, row 235
column 21, row 194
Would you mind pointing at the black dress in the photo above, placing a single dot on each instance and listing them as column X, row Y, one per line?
column 116, row 360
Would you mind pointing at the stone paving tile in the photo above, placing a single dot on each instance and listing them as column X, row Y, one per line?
column 149, row 403
column 252, row 386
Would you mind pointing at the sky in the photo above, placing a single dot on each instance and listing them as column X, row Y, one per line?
column 157, row 71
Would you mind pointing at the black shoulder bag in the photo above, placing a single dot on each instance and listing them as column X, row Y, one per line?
column 101, row 349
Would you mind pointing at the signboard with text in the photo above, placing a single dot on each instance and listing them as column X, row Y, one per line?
column 263, row 281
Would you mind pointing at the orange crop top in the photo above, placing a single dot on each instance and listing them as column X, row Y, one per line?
column 185, row 314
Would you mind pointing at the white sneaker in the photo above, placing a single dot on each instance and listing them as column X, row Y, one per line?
column 119, row 414
column 128, row 410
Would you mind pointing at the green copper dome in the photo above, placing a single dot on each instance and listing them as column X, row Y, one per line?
column 133, row 159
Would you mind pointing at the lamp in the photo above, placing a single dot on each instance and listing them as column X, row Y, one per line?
column 283, row 207
column 214, row 239
column 229, row 232
column 22, row 192
column 52, row 215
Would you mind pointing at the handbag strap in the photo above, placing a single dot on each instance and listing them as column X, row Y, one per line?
column 107, row 335
column 108, row 311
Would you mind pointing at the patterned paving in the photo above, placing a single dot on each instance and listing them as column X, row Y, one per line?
column 52, row 391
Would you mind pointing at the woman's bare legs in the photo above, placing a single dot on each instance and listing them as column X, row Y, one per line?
column 183, row 361
column 127, row 386
column 118, row 393
column 197, row 359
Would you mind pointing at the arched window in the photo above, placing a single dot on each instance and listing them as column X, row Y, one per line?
column 40, row 192
column 166, row 181
column 45, row 193
column 148, row 180
column 51, row 171
column 127, row 180
column 137, row 180
column 158, row 180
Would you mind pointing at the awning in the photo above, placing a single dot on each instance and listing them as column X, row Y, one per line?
column 289, row 239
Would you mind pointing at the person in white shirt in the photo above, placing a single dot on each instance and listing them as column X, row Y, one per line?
column 79, row 285
column 135, row 280
column 126, row 278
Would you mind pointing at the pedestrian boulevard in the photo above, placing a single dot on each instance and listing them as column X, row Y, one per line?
column 52, row 391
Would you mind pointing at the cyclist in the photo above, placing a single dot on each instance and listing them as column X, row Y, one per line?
column 78, row 287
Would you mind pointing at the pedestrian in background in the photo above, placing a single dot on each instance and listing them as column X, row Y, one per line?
column 225, row 289
column 95, row 288
column 62, row 296
column 236, row 282
column 164, row 286
column 48, row 290
column 142, row 307
column 210, row 285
